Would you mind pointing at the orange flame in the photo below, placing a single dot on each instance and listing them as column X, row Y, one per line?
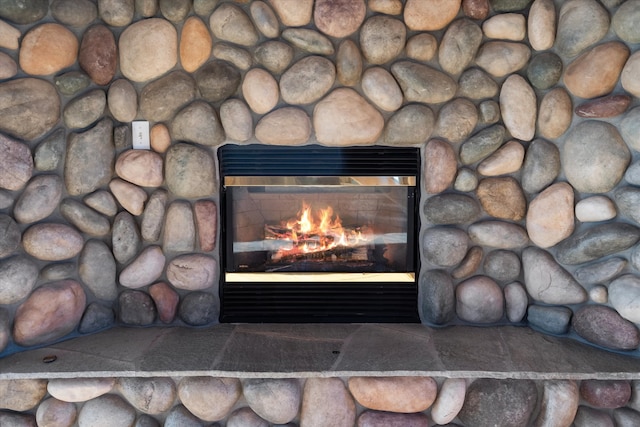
column 325, row 231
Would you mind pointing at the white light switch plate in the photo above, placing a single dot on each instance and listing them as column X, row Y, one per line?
column 140, row 131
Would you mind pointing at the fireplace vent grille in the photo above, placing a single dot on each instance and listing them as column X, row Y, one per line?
column 321, row 300
column 315, row 160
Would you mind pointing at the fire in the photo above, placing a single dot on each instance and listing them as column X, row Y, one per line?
column 306, row 225
column 312, row 233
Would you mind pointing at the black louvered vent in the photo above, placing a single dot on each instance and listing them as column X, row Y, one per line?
column 315, row 160
column 286, row 302
column 319, row 302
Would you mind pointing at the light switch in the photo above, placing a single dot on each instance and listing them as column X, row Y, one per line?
column 140, row 131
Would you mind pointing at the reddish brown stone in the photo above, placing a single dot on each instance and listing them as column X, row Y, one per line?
column 98, row 54
column 441, row 166
column 339, row 18
column 166, row 301
column 207, row 222
column 602, row 325
column 475, row 9
column 51, row 312
column 608, row 106
column 502, row 198
column 606, row 394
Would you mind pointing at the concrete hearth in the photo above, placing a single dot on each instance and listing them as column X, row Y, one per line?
column 322, row 350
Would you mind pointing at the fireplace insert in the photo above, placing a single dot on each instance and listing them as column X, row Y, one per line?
column 319, row 234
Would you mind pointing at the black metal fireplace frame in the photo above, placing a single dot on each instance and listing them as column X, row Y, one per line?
column 318, row 302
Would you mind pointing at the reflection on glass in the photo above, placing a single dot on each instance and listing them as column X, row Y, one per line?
column 319, row 229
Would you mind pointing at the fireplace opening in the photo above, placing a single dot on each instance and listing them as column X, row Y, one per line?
column 319, row 234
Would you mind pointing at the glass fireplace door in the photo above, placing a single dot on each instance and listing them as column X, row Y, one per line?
column 319, row 234
column 340, row 228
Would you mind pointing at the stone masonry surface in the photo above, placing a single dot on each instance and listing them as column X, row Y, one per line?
column 528, row 120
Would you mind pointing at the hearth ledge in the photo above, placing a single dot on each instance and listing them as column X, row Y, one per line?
column 321, row 350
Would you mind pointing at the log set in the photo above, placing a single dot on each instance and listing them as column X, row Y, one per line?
column 342, row 244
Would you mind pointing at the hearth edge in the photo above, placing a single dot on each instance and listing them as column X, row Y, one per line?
column 322, row 351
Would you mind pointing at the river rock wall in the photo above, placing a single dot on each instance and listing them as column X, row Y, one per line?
column 361, row 401
column 526, row 113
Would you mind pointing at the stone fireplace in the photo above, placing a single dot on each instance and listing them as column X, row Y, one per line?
column 509, row 293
